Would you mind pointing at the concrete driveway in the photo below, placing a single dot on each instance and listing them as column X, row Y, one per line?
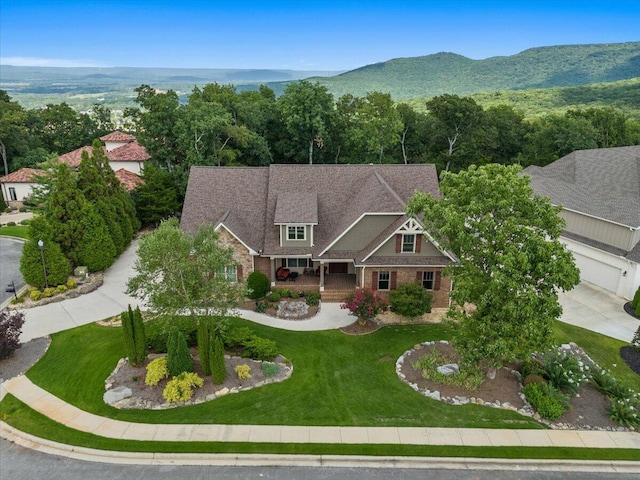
column 595, row 309
column 10, row 252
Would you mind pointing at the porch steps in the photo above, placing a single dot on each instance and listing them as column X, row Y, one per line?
column 333, row 296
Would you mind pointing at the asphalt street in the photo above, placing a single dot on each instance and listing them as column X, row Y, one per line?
column 10, row 251
column 18, row 463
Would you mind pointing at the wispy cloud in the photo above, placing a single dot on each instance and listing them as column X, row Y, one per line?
column 47, row 62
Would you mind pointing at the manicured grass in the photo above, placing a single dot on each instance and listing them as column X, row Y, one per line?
column 15, row 231
column 605, row 351
column 337, row 380
column 20, row 416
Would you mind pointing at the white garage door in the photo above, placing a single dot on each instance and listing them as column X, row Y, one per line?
column 598, row 273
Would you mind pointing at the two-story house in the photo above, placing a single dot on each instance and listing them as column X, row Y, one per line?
column 126, row 157
column 599, row 191
column 331, row 228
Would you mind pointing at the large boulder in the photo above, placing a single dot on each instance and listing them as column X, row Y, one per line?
column 448, row 369
column 115, row 395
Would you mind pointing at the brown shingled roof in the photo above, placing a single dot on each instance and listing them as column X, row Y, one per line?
column 129, row 180
column 24, row 175
column 247, row 198
column 117, row 137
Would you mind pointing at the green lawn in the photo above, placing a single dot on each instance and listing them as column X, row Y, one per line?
column 15, row 231
column 337, row 380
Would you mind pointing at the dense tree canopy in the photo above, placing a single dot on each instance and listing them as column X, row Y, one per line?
column 511, row 261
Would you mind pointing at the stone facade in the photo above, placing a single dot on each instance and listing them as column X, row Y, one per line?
column 240, row 252
column 408, row 275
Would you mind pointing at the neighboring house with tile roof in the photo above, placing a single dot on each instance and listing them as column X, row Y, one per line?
column 17, row 185
column 124, row 153
column 331, row 227
column 599, row 191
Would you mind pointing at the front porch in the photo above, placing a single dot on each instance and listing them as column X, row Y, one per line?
column 336, row 285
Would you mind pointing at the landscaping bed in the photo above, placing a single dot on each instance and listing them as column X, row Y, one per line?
column 150, row 397
column 589, row 408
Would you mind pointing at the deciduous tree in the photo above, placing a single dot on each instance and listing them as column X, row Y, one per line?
column 511, row 261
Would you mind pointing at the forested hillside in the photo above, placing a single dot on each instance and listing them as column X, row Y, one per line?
column 543, row 67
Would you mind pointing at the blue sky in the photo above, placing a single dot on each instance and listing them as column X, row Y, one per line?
column 298, row 35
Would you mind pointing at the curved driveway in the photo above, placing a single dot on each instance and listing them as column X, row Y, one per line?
column 10, row 251
column 110, row 299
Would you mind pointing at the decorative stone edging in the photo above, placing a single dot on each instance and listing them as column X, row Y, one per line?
column 527, row 410
column 132, row 402
column 95, row 281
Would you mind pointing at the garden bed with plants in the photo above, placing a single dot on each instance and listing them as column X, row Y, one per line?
column 563, row 388
column 34, row 297
column 145, row 396
column 285, row 304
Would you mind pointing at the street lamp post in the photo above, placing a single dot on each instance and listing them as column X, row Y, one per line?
column 44, row 266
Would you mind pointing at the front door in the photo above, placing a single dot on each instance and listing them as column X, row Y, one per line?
column 338, row 268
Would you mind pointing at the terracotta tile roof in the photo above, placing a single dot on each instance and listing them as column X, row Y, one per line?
column 118, row 137
column 129, row 180
column 73, row 158
column 246, row 199
column 131, row 152
column 24, row 175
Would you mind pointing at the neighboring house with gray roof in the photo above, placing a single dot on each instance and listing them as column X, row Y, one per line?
column 331, row 227
column 599, row 191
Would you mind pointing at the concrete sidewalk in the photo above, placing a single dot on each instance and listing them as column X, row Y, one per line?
column 54, row 408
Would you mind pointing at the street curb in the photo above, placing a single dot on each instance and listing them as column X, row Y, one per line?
column 343, row 461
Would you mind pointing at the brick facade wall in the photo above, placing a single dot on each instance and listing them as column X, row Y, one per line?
column 408, row 275
column 240, row 252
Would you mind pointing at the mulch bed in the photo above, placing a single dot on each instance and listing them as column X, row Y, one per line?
column 629, row 309
column 631, row 356
column 360, row 329
column 588, row 409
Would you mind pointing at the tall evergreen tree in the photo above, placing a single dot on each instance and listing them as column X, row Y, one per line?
column 218, row 367
column 204, row 344
column 31, row 262
column 135, row 343
column 64, row 212
column 96, row 250
column 178, row 357
column 157, row 198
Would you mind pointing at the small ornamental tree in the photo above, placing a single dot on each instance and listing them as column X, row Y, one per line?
column 135, row 343
column 364, row 303
column 257, row 284
column 10, row 330
column 178, row 356
column 410, row 300
column 636, row 339
column 218, row 366
column 204, row 344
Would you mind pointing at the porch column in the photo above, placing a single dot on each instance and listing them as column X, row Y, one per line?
column 273, row 272
column 322, row 276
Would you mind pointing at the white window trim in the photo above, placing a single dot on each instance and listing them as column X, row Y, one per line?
column 425, row 279
column 229, row 273
column 413, row 244
column 388, row 280
column 296, row 227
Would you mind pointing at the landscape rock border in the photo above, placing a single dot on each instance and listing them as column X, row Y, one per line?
column 527, row 410
column 84, row 286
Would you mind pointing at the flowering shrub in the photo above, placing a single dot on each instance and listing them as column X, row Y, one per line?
column 626, row 411
column 364, row 303
column 156, row 371
column 180, row 388
column 243, row 372
column 10, row 330
column 563, row 370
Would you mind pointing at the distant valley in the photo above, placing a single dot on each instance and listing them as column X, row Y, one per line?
column 555, row 77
